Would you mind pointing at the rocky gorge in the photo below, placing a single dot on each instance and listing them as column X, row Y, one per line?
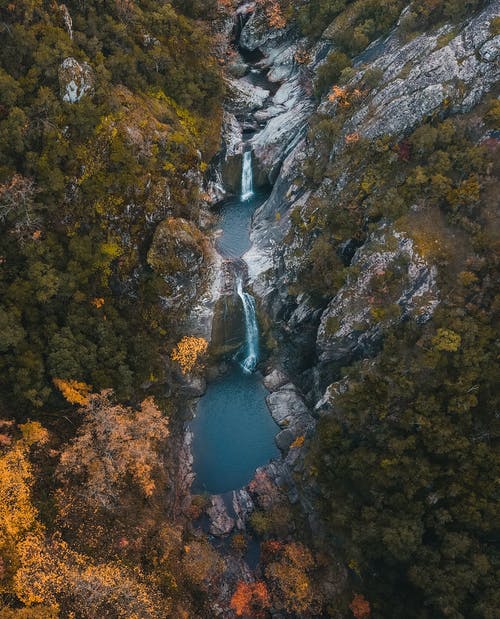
column 270, row 76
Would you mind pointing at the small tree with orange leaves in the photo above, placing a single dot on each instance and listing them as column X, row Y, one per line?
column 188, row 351
column 250, row 599
column 360, row 607
column 343, row 96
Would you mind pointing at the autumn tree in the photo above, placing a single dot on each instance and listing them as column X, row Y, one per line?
column 290, row 575
column 115, row 445
column 360, row 607
column 250, row 599
column 18, row 515
column 51, row 573
column 73, row 391
column 202, row 564
column 188, row 351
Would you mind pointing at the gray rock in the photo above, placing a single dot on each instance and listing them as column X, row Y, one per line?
column 243, row 96
column 286, row 405
column 257, row 34
column 220, row 521
column 243, row 506
column 421, row 78
column 348, row 326
column 275, row 380
column 76, row 80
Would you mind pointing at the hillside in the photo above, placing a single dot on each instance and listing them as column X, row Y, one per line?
column 298, row 198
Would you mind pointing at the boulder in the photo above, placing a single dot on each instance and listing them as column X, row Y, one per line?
column 76, row 80
column 220, row 521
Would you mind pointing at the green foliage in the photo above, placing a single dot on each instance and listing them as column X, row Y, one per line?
column 425, row 14
column 329, row 72
column 364, row 22
column 492, row 116
column 83, row 186
column 407, row 470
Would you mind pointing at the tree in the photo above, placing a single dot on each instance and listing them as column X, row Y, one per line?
column 293, row 586
column 360, row 607
column 52, row 573
column 250, row 599
column 188, row 351
column 115, row 445
column 73, row 391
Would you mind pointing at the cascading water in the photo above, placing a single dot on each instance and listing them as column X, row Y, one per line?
column 250, row 352
column 247, row 176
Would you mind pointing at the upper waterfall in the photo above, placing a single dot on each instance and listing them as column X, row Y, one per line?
column 247, row 176
column 250, row 351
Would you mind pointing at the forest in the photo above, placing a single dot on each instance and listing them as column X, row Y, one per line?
column 111, row 116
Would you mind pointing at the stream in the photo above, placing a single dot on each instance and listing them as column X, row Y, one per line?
column 233, row 431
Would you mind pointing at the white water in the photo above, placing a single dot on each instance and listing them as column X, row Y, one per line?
column 250, row 351
column 246, row 176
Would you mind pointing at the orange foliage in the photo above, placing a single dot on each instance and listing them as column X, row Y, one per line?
column 73, row 391
column 360, row 607
column 18, row 515
column 98, row 302
column 115, row 444
column 251, row 599
column 274, row 13
column 298, row 442
column 352, row 138
column 187, row 352
column 52, row 573
column 343, row 97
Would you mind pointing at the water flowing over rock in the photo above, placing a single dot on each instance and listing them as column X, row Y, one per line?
column 247, row 177
column 76, row 80
column 250, row 353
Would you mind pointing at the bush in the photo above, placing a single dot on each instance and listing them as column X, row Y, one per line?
column 329, row 72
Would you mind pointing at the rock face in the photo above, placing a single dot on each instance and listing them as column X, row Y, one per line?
column 220, row 521
column 393, row 282
column 178, row 254
column 289, row 411
column 76, row 80
column 424, row 76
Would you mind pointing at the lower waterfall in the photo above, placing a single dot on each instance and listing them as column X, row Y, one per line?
column 250, row 350
column 247, row 176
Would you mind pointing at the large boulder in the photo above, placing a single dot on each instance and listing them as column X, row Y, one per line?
column 177, row 253
column 76, row 80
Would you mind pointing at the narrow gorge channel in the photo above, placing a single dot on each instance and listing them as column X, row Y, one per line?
column 233, row 430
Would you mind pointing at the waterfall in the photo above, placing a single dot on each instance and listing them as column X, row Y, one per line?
column 251, row 348
column 246, row 176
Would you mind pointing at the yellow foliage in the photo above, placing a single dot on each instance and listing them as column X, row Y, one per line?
column 298, row 442
column 187, row 352
column 447, row 340
column 33, row 432
column 52, row 573
column 73, row 391
column 17, row 514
